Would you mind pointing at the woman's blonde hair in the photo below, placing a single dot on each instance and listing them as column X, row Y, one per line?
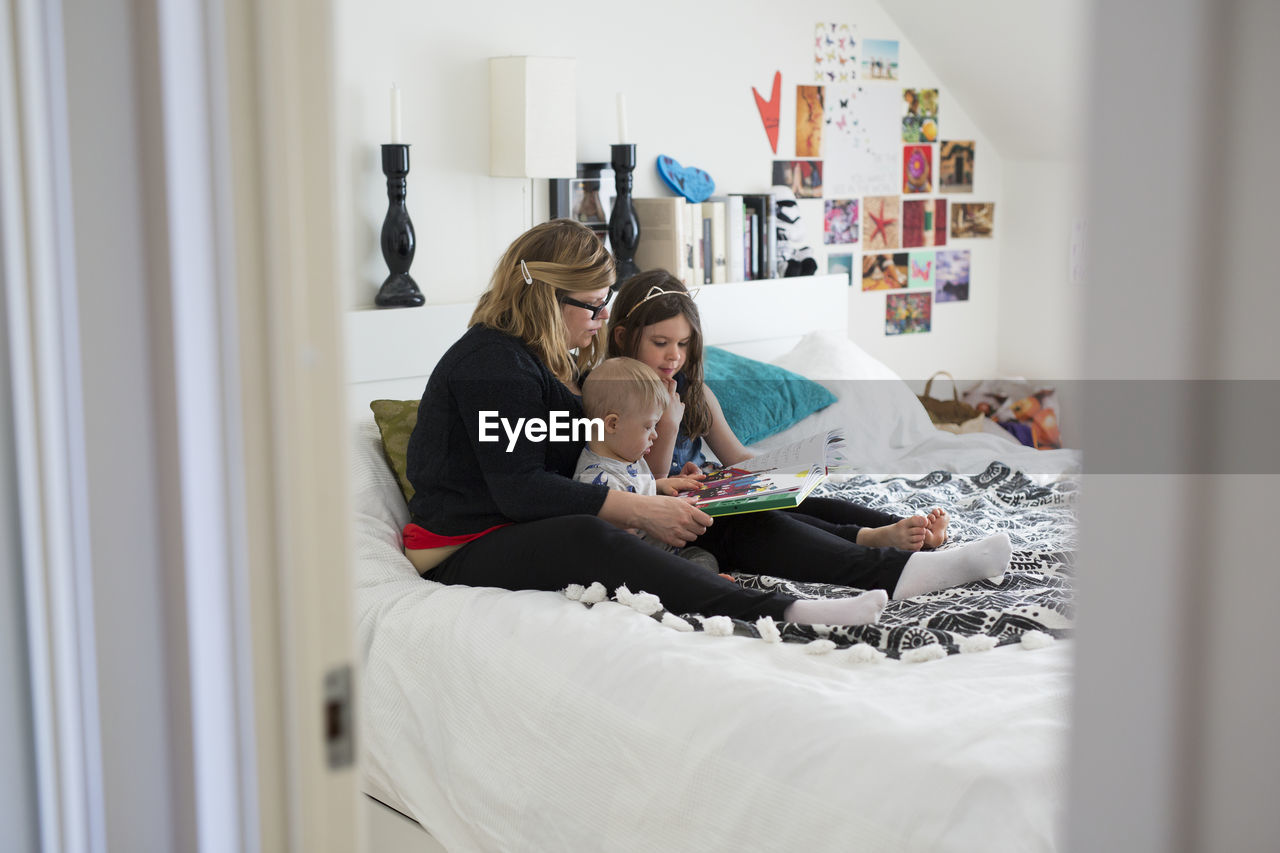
column 648, row 298
column 623, row 386
column 560, row 257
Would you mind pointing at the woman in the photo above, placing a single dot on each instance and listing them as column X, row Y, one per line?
column 487, row 515
column 656, row 321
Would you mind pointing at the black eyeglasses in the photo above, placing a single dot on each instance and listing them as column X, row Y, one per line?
column 594, row 309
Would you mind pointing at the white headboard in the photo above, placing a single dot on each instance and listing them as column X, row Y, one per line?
column 391, row 352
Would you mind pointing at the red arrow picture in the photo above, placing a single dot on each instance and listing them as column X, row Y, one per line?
column 769, row 109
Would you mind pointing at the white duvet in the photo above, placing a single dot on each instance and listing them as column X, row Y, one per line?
column 525, row 721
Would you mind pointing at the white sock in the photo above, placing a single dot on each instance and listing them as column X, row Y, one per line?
column 859, row 610
column 927, row 571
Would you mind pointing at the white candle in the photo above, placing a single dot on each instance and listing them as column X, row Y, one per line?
column 395, row 114
column 622, row 118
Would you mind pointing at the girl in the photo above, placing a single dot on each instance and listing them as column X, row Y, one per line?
column 485, row 514
column 656, row 321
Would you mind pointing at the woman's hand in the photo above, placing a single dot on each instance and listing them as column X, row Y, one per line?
column 675, row 521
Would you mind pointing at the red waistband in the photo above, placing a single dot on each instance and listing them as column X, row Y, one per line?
column 416, row 536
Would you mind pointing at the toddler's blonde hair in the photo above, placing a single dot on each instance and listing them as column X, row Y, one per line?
column 623, row 386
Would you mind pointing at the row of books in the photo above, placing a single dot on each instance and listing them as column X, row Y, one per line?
column 725, row 238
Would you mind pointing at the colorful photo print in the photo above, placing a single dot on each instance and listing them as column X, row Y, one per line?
column 917, row 168
column 803, row 176
column 880, row 225
column 951, row 276
column 920, row 271
column 919, row 115
column 840, row 223
column 884, row 271
column 809, row 121
column 955, row 166
column 977, row 219
column 880, row 59
column 841, row 264
column 908, row 313
column 924, row 222
column 835, row 53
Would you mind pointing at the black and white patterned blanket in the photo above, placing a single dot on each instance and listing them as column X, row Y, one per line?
column 1034, row 599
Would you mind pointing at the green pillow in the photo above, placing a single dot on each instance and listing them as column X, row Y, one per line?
column 760, row 399
column 396, row 419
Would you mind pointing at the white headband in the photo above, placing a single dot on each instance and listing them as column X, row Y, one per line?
column 655, row 292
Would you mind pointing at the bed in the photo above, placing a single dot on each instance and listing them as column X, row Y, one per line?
column 528, row 720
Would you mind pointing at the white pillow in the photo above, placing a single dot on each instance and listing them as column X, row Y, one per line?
column 877, row 409
column 830, row 355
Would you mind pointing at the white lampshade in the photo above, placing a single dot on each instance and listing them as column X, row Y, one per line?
column 533, row 106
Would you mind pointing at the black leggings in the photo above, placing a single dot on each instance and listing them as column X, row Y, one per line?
column 555, row 552
column 842, row 518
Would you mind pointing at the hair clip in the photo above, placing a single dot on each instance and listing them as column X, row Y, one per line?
column 656, row 291
column 524, row 271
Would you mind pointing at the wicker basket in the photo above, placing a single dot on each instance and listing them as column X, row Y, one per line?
column 951, row 411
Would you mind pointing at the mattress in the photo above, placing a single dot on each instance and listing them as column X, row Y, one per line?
column 528, row 721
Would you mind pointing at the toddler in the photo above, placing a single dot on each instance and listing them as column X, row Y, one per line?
column 629, row 397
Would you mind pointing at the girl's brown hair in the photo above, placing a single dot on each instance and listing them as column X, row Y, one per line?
column 561, row 257
column 635, row 308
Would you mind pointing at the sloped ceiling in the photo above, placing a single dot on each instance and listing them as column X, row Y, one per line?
column 1020, row 67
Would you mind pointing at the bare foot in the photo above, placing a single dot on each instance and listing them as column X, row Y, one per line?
column 936, row 529
column 909, row 534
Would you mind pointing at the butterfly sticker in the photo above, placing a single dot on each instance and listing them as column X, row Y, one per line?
column 835, row 49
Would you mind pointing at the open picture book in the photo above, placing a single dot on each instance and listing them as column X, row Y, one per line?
column 778, row 479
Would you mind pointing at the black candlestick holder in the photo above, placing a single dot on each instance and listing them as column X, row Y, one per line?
column 398, row 242
column 624, row 227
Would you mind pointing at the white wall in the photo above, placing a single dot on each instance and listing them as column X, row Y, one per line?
column 687, row 71
column 1040, row 304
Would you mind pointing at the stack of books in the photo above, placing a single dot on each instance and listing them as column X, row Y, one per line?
column 725, row 238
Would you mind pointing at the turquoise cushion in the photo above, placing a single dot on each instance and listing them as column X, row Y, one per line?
column 759, row 399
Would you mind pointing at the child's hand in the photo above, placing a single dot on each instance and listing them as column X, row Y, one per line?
column 675, row 485
column 674, row 413
column 692, row 471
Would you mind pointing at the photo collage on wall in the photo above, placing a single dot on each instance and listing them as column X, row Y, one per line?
column 874, row 152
